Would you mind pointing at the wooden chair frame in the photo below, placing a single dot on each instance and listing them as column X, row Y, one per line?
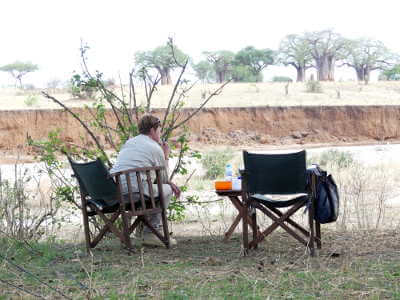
column 147, row 204
column 280, row 219
column 137, row 208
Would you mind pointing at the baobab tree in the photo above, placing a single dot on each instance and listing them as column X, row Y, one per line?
column 366, row 55
column 256, row 60
column 222, row 62
column 295, row 51
column 326, row 48
column 163, row 58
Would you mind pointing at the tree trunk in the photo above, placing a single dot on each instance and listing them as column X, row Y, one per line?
column 167, row 73
column 363, row 73
column 19, row 78
column 322, row 68
column 360, row 73
column 366, row 75
column 331, row 68
column 220, row 76
column 164, row 79
column 301, row 73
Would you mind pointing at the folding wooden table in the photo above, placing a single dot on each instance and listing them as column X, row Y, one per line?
column 235, row 196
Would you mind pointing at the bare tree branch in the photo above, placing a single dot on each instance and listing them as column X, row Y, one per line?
column 214, row 93
column 173, row 93
column 99, row 146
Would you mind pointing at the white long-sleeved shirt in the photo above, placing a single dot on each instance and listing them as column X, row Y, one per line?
column 140, row 151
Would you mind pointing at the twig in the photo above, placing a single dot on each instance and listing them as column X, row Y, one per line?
column 173, row 93
column 32, row 275
column 178, row 163
column 31, row 249
column 216, row 92
column 107, row 129
column 81, row 122
column 122, row 87
column 22, row 289
column 142, row 256
column 132, row 95
column 203, row 202
column 108, row 95
column 190, row 176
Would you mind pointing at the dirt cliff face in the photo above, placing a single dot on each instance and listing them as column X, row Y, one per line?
column 284, row 125
column 233, row 126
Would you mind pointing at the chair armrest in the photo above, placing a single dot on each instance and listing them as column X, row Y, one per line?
column 132, row 170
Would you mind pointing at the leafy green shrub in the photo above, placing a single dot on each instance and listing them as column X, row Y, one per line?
column 214, row 163
column 31, row 100
column 79, row 88
column 341, row 159
column 281, row 79
column 313, row 86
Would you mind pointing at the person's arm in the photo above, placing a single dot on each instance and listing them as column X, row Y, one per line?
column 166, row 150
column 158, row 159
column 175, row 189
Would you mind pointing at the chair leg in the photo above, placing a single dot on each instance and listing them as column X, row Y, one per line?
column 86, row 229
column 279, row 220
column 165, row 228
column 254, row 227
column 318, row 234
column 126, row 231
column 245, row 228
column 135, row 224
column 311, row 227
column 104, row 230
column 163, row 238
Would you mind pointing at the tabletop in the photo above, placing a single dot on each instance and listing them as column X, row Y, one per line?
column 228, row 192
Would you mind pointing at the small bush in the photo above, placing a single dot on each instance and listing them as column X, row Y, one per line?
column 31, row 100
column 341, row 159
column 214, row 163
column 281, row 79
column 23, row 214
column 54, row 83
column 81, row 89
column 109, row 82
column 313, row 86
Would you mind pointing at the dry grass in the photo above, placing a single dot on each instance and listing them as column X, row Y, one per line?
column 350, row 265
column 239, row 95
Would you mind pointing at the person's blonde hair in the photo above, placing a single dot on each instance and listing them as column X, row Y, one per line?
column 147, row 122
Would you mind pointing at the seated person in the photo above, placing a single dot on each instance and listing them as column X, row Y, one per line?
column 147, row 150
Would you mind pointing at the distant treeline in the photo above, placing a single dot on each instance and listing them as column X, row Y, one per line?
column 322, row 50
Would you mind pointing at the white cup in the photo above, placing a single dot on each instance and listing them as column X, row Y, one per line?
column 236, row 184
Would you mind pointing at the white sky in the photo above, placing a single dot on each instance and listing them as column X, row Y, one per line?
column 48, row 32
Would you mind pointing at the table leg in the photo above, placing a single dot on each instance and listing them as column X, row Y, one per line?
column 239, row 206
column 232, row 228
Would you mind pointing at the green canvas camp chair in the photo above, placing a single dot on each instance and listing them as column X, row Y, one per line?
column 101, row 195
column 265, row 175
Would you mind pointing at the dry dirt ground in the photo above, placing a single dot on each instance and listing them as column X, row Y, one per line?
column 233, row 95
